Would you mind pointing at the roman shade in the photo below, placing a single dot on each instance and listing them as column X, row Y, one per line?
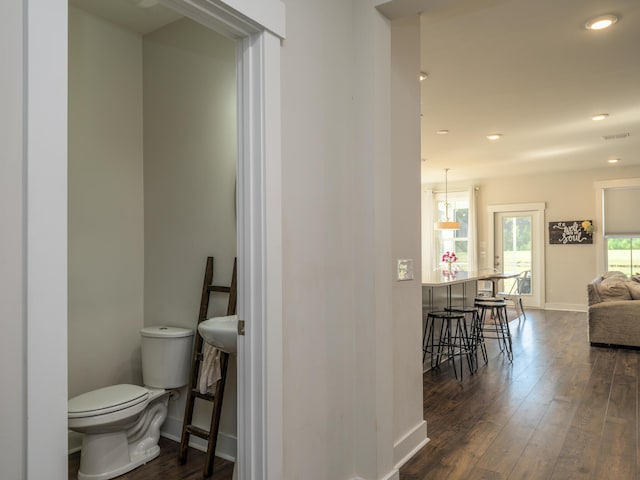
column 620, row 213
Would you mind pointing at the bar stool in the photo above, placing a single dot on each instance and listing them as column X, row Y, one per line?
column 475, row 334
column 452, row 340
column 496, row 327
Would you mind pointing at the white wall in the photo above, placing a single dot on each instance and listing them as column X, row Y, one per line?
column 12, row 247
column 106, row 217
column 342, row 308
column 568, row 196
column 189, row 188
column 317, row 175
column 409, row 428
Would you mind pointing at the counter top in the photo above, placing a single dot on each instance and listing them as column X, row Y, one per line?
column 438, row 278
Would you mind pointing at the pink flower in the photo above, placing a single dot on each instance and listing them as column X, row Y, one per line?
column 449, row 257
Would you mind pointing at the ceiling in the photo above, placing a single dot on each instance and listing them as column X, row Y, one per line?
column 138, row 16
column 528, row 69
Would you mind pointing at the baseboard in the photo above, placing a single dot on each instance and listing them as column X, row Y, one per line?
column 566, row 307
column 392, row 475
column 225, row 448
column 74, row 442
column 409, row 444
column 405, row 448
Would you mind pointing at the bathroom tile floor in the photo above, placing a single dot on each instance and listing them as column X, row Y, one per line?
column 166, row 467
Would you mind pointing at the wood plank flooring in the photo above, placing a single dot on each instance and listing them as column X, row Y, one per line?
column 165, row 467
column 563, row 410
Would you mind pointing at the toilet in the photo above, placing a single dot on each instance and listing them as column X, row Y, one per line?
column 121, row 423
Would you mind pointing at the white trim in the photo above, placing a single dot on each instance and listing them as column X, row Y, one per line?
column 538, row 209
column 259, row 259
column 46, row 219
column 410, row 443
column 566, row 307
column 231, row 19
column 392, row 475
column 259, row 227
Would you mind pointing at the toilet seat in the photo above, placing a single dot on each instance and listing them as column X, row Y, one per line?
column 106, row 400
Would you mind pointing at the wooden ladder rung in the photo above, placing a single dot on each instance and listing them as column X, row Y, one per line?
column 210, row 397
column 217, row 288
column 198, row 432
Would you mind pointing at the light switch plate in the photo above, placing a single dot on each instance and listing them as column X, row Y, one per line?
column 405, row 269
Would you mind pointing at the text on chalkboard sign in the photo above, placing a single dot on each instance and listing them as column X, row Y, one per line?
column 571, row 232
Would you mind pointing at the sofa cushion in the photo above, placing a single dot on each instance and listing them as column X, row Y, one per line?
column 634, row 289
column 612, row 289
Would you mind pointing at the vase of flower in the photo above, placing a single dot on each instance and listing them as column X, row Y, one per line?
column 449, row 258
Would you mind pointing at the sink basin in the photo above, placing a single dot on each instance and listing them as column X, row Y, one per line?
column 221, row 332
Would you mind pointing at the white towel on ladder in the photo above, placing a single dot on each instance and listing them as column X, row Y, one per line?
column 209, row 369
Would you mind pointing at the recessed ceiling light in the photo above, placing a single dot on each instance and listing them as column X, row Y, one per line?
column 423, row 76
column 613, row 160
column 442, row 132
column 601, row 22
column 599, row 116
column 494, row 136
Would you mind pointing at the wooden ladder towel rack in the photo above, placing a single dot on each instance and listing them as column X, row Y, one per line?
column 193, row 391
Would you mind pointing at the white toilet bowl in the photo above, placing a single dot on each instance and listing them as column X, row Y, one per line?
column 121, row 423
column 121, row 427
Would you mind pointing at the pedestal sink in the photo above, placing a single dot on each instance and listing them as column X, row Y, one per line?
column 221, row 332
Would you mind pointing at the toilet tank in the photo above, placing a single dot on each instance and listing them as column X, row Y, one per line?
column 166, row 356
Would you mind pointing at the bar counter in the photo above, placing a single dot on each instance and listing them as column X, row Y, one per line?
column 441, row 289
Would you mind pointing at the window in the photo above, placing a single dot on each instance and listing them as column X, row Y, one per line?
column 623, row 254
column 621, row 228
column 453, row 240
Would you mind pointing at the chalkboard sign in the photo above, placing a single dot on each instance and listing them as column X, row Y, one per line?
column 571, row 232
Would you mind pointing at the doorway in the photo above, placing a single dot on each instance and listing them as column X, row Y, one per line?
column 517, row 242
column 258, row 33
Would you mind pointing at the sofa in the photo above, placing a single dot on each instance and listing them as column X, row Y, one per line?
column 614, row 310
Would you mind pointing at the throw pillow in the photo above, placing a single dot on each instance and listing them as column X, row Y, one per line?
column 634, row 290
column 613, row 289
column 613, row 274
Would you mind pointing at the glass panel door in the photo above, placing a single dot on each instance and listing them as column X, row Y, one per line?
column 514, row 250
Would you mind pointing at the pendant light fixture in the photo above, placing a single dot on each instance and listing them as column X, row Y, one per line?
column 446, row 225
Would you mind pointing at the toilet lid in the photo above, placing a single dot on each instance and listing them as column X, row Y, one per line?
column 107, row 400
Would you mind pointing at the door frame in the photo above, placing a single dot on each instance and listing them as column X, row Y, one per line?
column 258, row 27
column 259, row 227
column 537, row 263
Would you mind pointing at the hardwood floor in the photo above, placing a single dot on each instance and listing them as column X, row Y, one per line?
column 562, row 410
column 166, row 467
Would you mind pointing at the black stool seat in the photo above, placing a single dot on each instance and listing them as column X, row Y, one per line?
column 446, row 334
